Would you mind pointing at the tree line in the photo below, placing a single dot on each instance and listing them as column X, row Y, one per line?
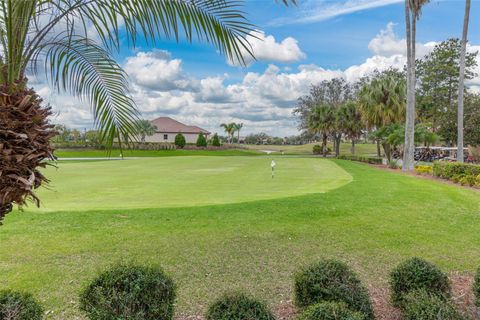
column 376, row 105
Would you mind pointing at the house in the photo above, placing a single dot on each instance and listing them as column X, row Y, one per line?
column 168, row 128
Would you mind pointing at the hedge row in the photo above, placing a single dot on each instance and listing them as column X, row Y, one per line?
column 325, row 290
column 371, row 160
column 463, row 173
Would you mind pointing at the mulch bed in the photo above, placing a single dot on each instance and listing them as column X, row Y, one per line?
column 462, row 295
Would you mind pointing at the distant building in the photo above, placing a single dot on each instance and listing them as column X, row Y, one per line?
column 168, row 128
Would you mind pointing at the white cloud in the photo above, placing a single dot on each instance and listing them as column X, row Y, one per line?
column 156, row 70
column 379, row 63
column 266, row 48
column 321, row 10
column 263, row 101
column 387, row 44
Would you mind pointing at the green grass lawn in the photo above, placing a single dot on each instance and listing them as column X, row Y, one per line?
column 184, row 181
column 345, row 148
column 250, row 150
column 373, row 222
column 91, row 153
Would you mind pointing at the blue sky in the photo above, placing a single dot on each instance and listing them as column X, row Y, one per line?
column 316, row 40
column 336, row 42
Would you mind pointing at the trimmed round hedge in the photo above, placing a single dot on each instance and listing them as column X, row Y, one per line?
column 130, row 292
column 476, row 288
column 423, row 305
column 330, row 311
column 238, row 306
column 201, row 140
column 331, row 280
column 180, row 140
column 216, row 141
column 19, row 306
column 417, row 273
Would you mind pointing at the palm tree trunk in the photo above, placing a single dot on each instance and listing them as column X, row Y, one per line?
column 338, row 140
column 409, row 147
column 353, row 147
column 461, row 83
column 388, row 151
column 379, row 152
column 324, row 145
column 27, row 148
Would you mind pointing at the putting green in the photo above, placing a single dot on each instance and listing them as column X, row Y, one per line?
column 184, row 181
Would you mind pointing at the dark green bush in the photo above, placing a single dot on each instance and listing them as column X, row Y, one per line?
column 476, row 288
column 317, row 149
column 180, row 140
column 330, row 311
column 216, row 141
column 416, row 274
column 129, row 292
column 238, row 306
column 448, row 170
column 371, row 160
column 331, row 280
column 422, row 305
column 201, row 141
column 19, row 306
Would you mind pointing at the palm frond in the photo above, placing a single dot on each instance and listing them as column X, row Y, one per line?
column 219, row 22
column 86, row 70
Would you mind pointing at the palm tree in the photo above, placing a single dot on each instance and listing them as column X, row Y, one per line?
column 229, row 130
column 145, row 128
column 238, row 127
column 322, row 121
column 51, row 35
column 382, row 102
column 349, row 122
column 412, row 14
column 461, row 83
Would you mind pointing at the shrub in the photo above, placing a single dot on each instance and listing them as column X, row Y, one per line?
column 422, row 305
column 392, row 164
column 19, row 306
column 447, row 170
column 317, row 149
column 180, row 140
column 331, row 280
column 468, row 180
column 216, row 141
column 201, row 141
column 415, row 274
column 129, row 292
column 330, row 311
column 476, row 288
column 457, row 178
column 424, row 169
column 238, row 306
column 477, row 181
column 371, row 160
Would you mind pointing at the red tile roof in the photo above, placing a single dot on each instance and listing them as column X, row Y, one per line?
column 169, row 125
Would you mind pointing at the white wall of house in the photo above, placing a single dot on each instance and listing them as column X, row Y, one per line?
column 170, row 137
